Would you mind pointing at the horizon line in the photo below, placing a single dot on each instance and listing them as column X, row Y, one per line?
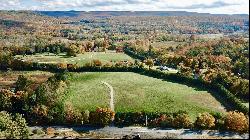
column 120, row 11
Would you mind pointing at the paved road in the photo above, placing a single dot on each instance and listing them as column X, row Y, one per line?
column 145, row 133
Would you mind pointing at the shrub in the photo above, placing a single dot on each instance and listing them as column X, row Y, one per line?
column 138, row 118
column 72, row 50
column 56, row 114
column 20, row 101
column 219, row 125
column 62, row 66
column 85, row 117
column 97, row 63
column 72, row 67
column 219, row 121
column 22, row 83
column 50, row 93
column 162, row 121
column 38, row 131
column 21, row 65
column 6, row 58
column 13, row 127
column 50, row 131
column 240, row 88
column 129, row 118
column 39, row 114
column 22, row 126
column 205, row 121
column 72, row 116
column 149, row 63
column 14, row 102
column 167, row 122
column 119, row 64
column 182, row 120
column 101, row 117
column 5, row 99
column 48, row 99
column 236, row 121
column 130, row 64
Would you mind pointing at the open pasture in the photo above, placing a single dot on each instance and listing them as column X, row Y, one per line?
column 80, row 59
column 134, row 92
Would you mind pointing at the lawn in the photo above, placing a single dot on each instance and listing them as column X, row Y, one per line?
column 135, row 92
column 81, row 59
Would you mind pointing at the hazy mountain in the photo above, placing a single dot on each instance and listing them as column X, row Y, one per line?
column 125, row 13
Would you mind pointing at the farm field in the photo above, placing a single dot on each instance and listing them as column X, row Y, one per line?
column 167, row 44
column 81, row 59
column 8, row 79
column 134, row 92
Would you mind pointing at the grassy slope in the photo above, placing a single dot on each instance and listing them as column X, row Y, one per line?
column 134, row 92
column 81, row 59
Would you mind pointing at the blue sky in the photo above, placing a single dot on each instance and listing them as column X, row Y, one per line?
column 202, row 6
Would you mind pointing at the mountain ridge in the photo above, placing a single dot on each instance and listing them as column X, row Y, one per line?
column 73, row 13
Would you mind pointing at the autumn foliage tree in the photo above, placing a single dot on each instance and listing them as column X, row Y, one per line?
column 236, row 121
column 205, row 121
column 149, row 63
column 72, row 50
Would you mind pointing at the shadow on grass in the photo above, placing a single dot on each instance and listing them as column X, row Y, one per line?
column 219, row 98
column 216, row 95
column 65, row 56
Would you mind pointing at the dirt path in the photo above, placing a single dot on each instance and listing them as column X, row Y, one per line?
column 111, row 95
column 91, row 56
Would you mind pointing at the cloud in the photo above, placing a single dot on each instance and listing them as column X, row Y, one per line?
column 83, row 4
column 204, row 6
column 10, row 3
column 216, row 4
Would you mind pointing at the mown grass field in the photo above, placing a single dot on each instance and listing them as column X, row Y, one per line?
column 81, row 59
column 134, row 92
